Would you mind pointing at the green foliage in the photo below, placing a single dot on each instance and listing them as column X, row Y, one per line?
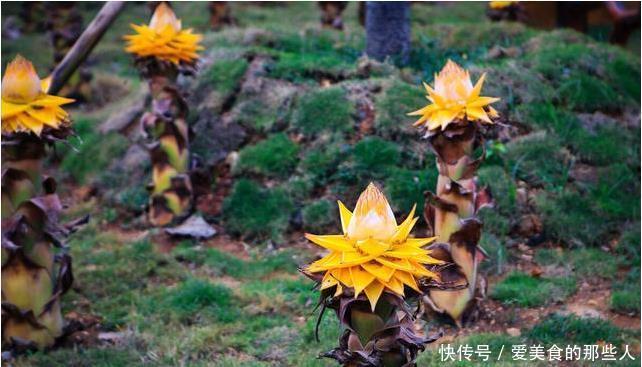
column 375, row 156
column 221, row 263
column 585, row 262
column 323, row 161
column 225, row 75
column 586, row 93
column 525, row 291
column 570, row 218
column 393, row 105
column 629, row 245
column 299, row 66
column 502, row 187
column 256, row 212
column 325, row 109
column 94, row 356
column 624, row 74
column 570, row 329
column 612, row 195
column 405, row 188
column 275, row 156
column 625, row 297
column 198, row 298
column 318, row 215
column 538, row 159
column 281, row 293
column 95, row 151
column 497, row 253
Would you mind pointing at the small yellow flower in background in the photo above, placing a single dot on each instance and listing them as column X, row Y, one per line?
column 374, row 253
column 26, row 106
column 164, row 38
column 454, row 97
column 501, row 4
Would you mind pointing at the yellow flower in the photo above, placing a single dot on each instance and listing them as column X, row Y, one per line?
column 164, row 39
column 374, row 253
column 501, row 4
column 453, row 98
column 26, row 106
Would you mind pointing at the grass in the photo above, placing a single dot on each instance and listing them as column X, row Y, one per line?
column 275, row 156
column 90, row 143
column 319, row 215
column 522, row 290
column 322, row 110
column 252, row 211
column 585, row 262
column 569, row 329
column 225, row 75
column 625, row 297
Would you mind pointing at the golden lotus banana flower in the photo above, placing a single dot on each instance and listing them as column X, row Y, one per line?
column 26, row 106
column 501, row 4
column 373, row 254
column 164, row 38
column 453, row 97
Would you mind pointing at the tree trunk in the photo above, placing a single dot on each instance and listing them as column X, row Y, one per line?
column 388, row 31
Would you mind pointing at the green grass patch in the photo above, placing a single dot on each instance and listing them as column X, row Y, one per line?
column 299, row 67
column 569, row 217
column 253, row 211
column 570, row 329
column 95, row 151
column 375, row 156
column 194, row 299
column 323, row 161
column 393, row 105
column 625, row 296
column 525, row 291
column 406, row 188
column 538, row 159
column 585, row 262
column 225, row 75
column 587, row 93
column 319, row 215
column 325, row 109
column 275, row 156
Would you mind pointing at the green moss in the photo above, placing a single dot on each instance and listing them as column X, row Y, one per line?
column 318, row 215
column 523, row 290
column 629, row 245
column 252, row 211
column 94, row 356
column 325, row 109
column 197, row 298
column 225, row 75
column 502, row 187
column 95, row 151
column 585, row 262
column 275, row 156
column 375, row 156
column 393, row 105
column 323, row 161
column 405, row 188
column 624, row 73
column 298, row 67
column 625, row 297
column 586, row 93
column 570, row 218
column 538, row 159
column 570, row 329
column 612, row 196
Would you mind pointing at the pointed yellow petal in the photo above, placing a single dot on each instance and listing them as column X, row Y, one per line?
column 397, row 264
column 372, row 247
column 381, row 272
column 331, row 242
column 395, row 285
column 360, row 279
column 407, row 279
column 373, row 292
column 345, row 215
column 478, row 86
